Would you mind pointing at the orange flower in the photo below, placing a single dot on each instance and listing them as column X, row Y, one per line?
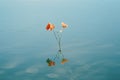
column 64, row 25
column 64, row 61
column 51, row 63
column 50, row 26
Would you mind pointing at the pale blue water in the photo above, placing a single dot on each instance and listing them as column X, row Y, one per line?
column 91, row 42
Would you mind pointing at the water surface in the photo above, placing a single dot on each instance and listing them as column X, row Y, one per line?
column 91, row 42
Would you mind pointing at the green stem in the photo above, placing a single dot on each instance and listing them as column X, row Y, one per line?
column 58, row 37
column 55, row 35
column 59, row 43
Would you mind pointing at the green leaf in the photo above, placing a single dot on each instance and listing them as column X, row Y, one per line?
column 48, row 60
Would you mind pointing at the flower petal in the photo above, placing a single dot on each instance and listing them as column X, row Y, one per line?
column 50, row 26
column 64, row 25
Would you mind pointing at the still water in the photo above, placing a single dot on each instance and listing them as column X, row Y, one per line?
column 91, row 43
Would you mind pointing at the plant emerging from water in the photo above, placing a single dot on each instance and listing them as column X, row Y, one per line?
column 57, row 35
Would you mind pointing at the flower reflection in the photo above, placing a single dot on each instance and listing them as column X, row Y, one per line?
column 64, row 60
column 50, row 62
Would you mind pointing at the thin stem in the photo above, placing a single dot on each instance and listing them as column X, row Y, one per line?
column 62, row 55
column 59, row 43
column 58, row 37
column 57, row 55
column 55, row 35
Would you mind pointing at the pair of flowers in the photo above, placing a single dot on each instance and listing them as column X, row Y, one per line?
column 50, row 26
column 58, row 35
column 52, row 63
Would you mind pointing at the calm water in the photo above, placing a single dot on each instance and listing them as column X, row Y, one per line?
column 91, row 42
